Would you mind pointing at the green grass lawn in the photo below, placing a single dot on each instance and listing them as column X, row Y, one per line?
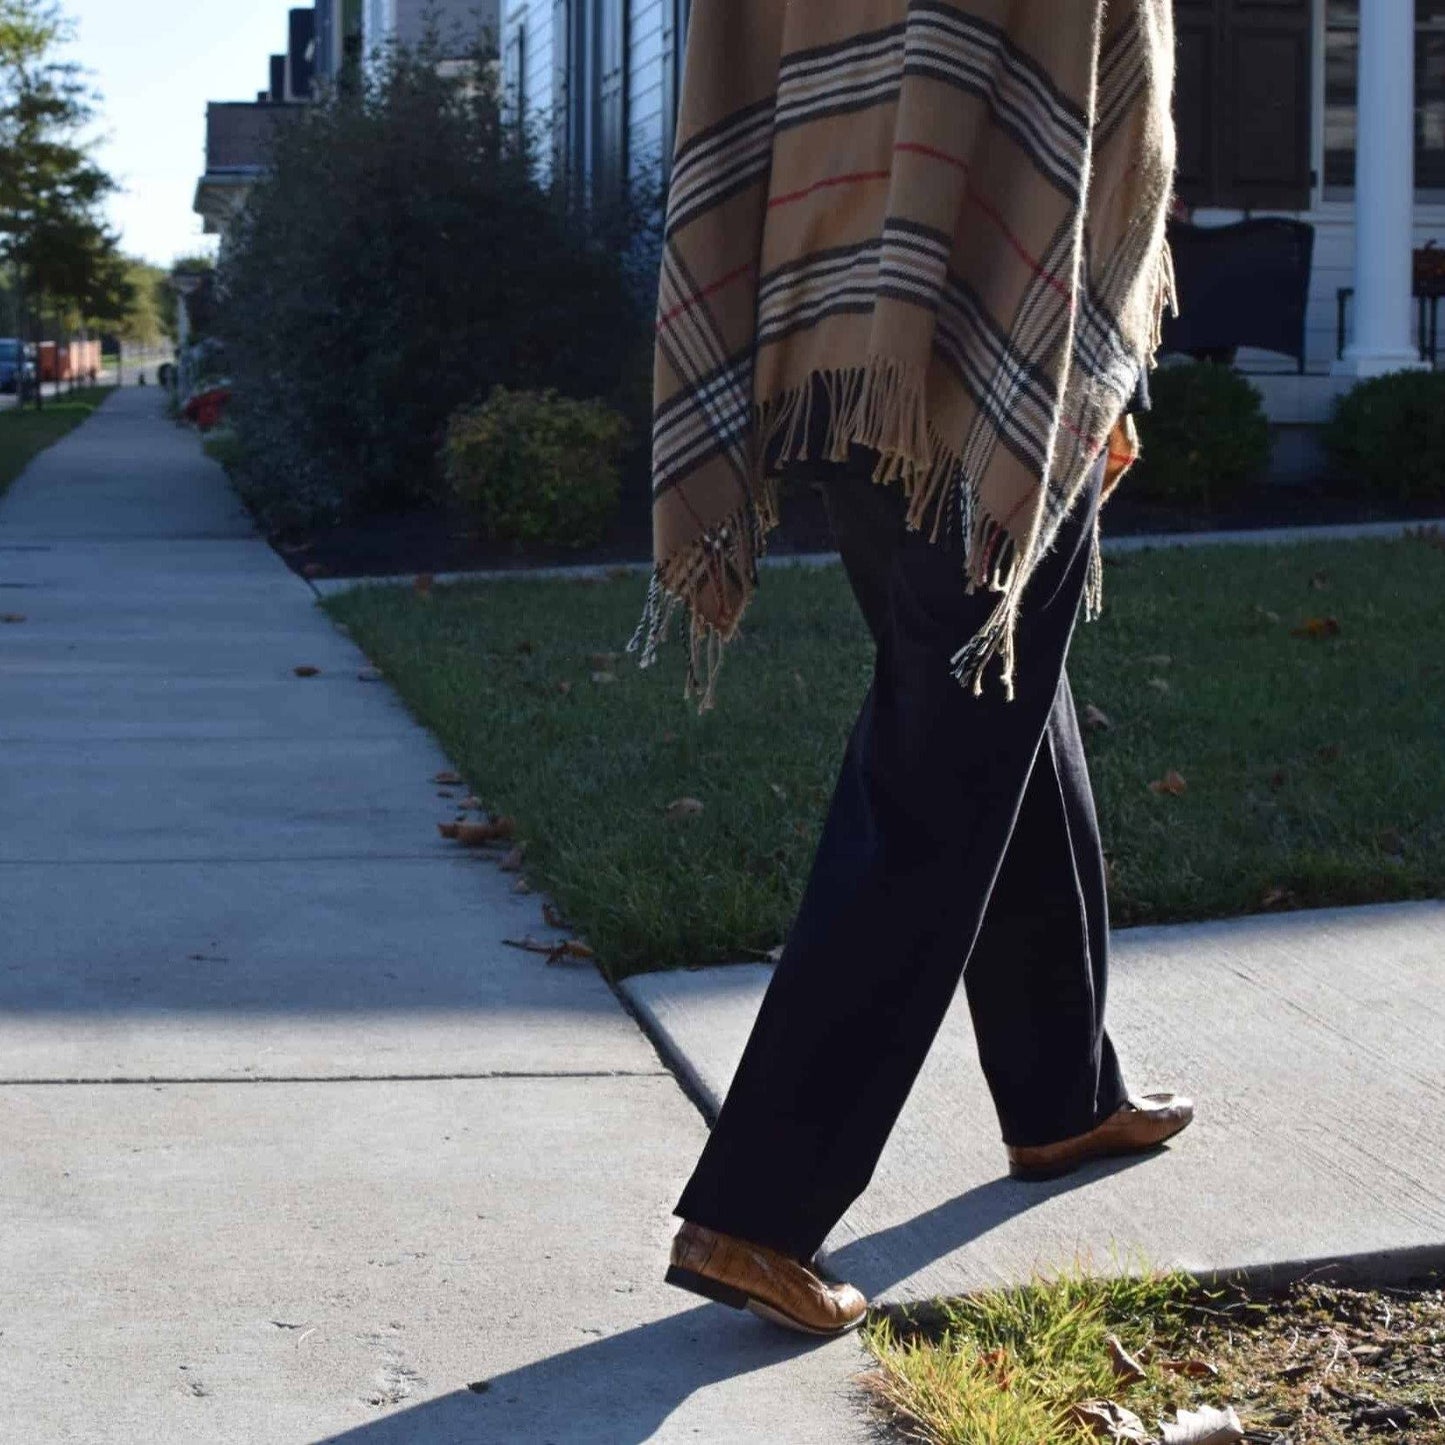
column 25, row 433
column 1313, row 766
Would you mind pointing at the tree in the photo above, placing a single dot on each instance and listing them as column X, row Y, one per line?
column 62, row 256
column 398, row 260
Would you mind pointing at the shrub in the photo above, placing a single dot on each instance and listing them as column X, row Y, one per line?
column 1205, row 438
column 1388, row 434
column 399, row 258
column 537, row 467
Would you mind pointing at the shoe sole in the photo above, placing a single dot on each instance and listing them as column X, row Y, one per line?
column 1039, row 1173
column 737, row 1299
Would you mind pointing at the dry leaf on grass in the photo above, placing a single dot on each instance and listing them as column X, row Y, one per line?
column 604, row 661
column 448, row 778
column 552, row 916
column 471, row 803
column 1172, row 783
column 1267, row 613
column 1319, row 581
column 1096, row 718
column 1317, row 627
column 512, row 863
column 564, row 688
column 1276, row 897
column 369, row 674
column 1159, row 684
column 1193, row 1369
column 1109, row 1421
column 681, row 808
column 1208, row 1426
column 521, row 886
column 306, row 670
column 1330, row 753
column 1128, row 1370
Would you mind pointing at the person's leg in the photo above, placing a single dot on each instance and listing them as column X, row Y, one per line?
column 1038, row 974
column 929, row 791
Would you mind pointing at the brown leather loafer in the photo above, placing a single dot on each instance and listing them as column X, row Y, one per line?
column 1140, row 1125
column 751, row 1276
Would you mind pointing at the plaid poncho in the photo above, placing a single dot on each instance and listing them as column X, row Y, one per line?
column 945, row 220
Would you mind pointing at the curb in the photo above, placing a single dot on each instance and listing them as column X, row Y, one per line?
column 1113, row 546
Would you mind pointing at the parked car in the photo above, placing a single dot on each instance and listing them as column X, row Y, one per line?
column 17, row 365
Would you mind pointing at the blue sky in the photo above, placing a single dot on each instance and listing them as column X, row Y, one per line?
column 156, row 64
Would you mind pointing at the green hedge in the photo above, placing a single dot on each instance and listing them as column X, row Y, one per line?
column 1205, row 439
column 1388, row 435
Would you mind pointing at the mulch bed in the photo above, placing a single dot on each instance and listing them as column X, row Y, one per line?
column 436, row 540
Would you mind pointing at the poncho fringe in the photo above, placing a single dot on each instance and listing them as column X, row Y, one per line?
column 1005, row 484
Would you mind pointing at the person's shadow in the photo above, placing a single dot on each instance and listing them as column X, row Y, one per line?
column 622, row 1389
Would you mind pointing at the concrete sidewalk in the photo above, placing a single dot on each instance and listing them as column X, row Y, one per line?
column 294, row 1147
column 1311, row 1041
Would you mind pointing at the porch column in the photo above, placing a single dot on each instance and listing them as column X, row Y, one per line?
column 1384, row 192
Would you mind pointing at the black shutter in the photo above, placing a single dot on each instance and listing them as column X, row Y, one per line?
column 1242, row 103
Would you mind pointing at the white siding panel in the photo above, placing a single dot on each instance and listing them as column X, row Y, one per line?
column 645, row 89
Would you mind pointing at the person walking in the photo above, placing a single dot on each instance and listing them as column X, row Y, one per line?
column 915, row 250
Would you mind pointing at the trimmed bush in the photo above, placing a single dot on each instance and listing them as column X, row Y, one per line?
column 537, row 467
column 1388, row 434
column 1205, row 439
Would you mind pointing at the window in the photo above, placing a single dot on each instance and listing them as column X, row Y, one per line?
column 1342, row 62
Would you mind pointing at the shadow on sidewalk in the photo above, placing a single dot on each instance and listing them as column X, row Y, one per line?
column 618, row 1391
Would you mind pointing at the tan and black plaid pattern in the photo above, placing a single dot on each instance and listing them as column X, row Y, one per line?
column 947, row 214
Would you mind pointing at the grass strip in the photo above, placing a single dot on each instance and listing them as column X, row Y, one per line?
column 1315, row 1364
column 1294, row 691
column 25, row 432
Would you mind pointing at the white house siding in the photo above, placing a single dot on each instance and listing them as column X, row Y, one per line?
column 648, row 43
column 534, row 18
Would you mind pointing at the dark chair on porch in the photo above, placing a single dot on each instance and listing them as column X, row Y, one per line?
column 1245, row 284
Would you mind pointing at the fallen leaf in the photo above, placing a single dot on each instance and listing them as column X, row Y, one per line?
column 471, row 803
column 1208, row 1426
column 1159, row 684
column 603, row 678
column 1330, row 753
column 1319, row 581
column 1172, row 783
column 1391, row 841
column 1127, row 1369
column 369, row 674
column 423, row 583
column 476, row 834
column 1317, row 627
column 552, row 916
column 1111, row 1421
column 521, row 886
column 1096, row 719
column 512, row 863
column 1267, row 613
column 571, row 948
column 306, row 670
column 604, row 661
column 683, row 808
column 564, row 688
column 1276, row 897
column 1194, row 1369
column 669, row 737
column 778, row 791
column 448, row 779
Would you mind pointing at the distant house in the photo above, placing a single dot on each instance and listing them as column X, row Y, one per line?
column 600, row 78
column 322, row 40
column 1269, row 117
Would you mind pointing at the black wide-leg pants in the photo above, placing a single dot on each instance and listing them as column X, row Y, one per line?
column 961, row 832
